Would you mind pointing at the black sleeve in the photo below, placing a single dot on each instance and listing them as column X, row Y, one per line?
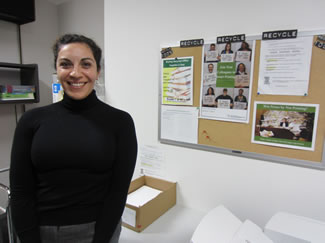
column 123, row 169
column 23, row 183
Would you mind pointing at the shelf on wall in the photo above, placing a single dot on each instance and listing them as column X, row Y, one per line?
column 20, row 74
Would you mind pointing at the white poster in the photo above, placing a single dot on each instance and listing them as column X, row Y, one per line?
column 211, row 56
column 285, row 66
column 152, row 161
column 227, row 81
column 179, row 123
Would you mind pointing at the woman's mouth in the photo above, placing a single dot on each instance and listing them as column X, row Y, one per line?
column 77, row 84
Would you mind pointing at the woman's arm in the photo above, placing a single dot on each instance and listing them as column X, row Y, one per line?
column 123, row 169
column 23, row 183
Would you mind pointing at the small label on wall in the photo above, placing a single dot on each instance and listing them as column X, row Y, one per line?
column 166, row 52
column 192, row 43
column 320, row 43
column 230, row 38
column 279, row 34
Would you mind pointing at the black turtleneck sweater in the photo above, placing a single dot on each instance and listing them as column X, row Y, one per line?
column 71, row 163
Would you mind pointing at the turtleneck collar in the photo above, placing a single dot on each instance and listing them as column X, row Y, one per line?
column 84, row 104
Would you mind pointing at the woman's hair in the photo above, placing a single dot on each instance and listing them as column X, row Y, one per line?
column 243, row 66
column 210, row 88
column 75, row 38
column 228, row 43
column 245, row 45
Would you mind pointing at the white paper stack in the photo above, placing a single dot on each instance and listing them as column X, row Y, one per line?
column 142, row 195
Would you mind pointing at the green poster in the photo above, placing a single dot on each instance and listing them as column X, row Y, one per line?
column 226, row 74
column 288, row 125
column 177, row 81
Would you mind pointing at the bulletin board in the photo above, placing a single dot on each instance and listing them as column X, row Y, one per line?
column 235, row 138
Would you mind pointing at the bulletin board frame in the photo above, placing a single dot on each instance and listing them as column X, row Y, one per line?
column 269, row 155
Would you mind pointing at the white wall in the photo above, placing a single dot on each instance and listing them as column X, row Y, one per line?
column 83, row 17
column 87, row 18
column 250, row 188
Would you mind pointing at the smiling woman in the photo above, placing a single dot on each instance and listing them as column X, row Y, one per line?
column 72, row 161
column 77, row 70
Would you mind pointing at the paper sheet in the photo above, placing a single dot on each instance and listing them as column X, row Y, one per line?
column 152, row 161
column 142, row 195
column 129, row 216
column 285, row 66
column 179, row 123
column 250, row 233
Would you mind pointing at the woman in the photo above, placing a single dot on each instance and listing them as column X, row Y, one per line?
column 227, row 49
column 210, row 91
column 72, row 161
column 241, row 69
column 244, row 47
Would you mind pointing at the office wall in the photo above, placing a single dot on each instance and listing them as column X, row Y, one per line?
column 9, row 53
column 37, row 40
column 252, row 189
column 84, row 17
column 36, row 48
column 87, row 18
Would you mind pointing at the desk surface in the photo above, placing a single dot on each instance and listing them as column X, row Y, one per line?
column 177, row 225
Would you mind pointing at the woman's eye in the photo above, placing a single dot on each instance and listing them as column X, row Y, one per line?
column 65, row 64
column 86, row 64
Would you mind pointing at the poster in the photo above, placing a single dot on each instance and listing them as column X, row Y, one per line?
column 287, row 125
column 177, row 81
column 179, row 123
column 226, row 81
column 285, row 66
column 152, row 161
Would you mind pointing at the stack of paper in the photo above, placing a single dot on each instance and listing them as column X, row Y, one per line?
column 142, row 195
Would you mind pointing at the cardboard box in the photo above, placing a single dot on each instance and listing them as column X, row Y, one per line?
column 138, row 218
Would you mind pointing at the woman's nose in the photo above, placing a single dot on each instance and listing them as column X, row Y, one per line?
column 75, row 72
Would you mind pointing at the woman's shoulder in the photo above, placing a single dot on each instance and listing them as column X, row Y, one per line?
column 40, row 110
column 36, row 114
column 115, row 112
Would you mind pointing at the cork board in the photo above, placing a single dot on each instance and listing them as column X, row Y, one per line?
column 230, row 137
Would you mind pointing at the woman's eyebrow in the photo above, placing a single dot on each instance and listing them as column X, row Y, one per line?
column 87, row 58
column 64, row 59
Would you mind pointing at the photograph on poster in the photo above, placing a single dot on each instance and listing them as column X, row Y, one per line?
column 226, row 78
column 177, row 81
column 288, row 125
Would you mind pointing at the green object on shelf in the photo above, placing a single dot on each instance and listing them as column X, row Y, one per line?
column 16, row 96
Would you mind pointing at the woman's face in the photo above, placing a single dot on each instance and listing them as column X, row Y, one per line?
column 241, row 68
column 228, row 47
column 77, row 70
column 210, row 91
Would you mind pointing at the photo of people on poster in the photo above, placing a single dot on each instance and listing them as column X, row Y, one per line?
column 227, row 68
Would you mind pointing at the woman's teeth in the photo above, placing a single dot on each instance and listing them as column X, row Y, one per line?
column 77, row 84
